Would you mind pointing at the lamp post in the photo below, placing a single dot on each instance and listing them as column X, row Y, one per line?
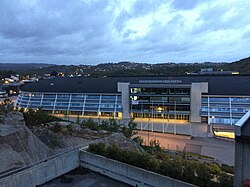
column 148, row 130
column 209, row 124
column 213, row 122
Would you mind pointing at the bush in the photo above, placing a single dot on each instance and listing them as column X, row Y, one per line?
column 191, row 171
column 225, row 179
column 38, row 117
column 130, row 130
column 110, row 125
column 139, row 140
column 57, row 127
column 214, row 168
column 98, row 148
column 227, row 168
column 89, row 123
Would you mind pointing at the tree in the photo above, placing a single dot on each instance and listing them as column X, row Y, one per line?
column 130, row 130
column 38, row 117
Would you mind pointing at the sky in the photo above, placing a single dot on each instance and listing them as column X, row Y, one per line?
column 102, row 31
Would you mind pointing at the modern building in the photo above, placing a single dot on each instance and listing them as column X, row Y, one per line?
column 242, row 151
column 207, row 99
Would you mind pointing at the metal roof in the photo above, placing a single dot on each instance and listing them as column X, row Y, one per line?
column 217, row 85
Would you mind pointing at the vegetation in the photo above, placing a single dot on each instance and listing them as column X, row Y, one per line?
column 178, row 167
column 5, row 107
column 111, row 125
column 130, row 130
column 126, row 68
column 5, row 74
column 89, row 123
column 38, row 117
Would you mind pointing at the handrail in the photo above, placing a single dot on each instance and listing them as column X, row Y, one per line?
column 38, row 162
column 68, row 150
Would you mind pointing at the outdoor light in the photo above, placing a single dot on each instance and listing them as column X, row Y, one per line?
column 159, row 109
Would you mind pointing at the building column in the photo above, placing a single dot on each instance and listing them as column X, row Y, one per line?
column 195, row 104
column 124, row 89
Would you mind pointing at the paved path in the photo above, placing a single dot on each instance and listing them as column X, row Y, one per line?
column 157, row 125
column 193, row 129
column 221, row 150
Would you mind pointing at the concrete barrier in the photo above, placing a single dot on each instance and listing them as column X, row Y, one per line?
column 43, row 172
column 126, row 173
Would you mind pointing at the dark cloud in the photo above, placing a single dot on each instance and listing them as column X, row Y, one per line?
column 98, row 31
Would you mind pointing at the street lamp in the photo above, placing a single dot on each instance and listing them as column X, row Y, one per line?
column 209, row 126
column 213, row 122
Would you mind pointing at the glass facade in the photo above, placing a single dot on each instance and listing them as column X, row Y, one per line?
column 162, row 103
column 224, row 110
column 172, row 103
column 73, row 104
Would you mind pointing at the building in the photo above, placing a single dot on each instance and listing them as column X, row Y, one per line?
column 207, row 99
column 242, row 151
column 210, row 71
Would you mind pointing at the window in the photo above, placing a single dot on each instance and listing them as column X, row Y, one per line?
column 93, row 96
column 112, row 97
column 219, row 99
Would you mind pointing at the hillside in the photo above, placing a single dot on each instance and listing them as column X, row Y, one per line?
column 127, row 68
column 243, row 66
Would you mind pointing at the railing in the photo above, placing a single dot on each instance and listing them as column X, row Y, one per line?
column 68, row 150
column 6, row 174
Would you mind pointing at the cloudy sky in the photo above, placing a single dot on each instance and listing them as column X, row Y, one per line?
column 99, row 31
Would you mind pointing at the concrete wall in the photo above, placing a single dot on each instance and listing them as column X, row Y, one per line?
column 195, row 105
column 43, row 172
column 124, row 89
column 242, row 162
column 126, row 173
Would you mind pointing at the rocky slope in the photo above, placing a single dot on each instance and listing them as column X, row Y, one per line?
column 18, row 145
column 21, row 146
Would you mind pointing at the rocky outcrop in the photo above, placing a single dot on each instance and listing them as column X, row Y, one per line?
column 121, row 141
column 18, row 145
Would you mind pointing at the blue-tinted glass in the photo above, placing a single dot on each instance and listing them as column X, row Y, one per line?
column 49, row 95
column 47, row 104
column 109, row 97
column 240, row 100
column 63, row 95
column 204, row 99
column 34, row 99
column 63, row 100
column 91, row 105
column 107, row 101
column 61, row 108
column 93, row 96
column 90, row 109
column 107, row 109
column 76, row 104
column 77, row 100
column 219, row 99
column 76, row 108
column 62, row 104
column 92, row 101
column 77, row 96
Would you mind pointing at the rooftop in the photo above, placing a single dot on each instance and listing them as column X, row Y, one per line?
column 217, row 85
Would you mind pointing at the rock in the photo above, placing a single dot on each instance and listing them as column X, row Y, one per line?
column 75, row 127
column 103, row 132
column 121, row 141
column 18, row 145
